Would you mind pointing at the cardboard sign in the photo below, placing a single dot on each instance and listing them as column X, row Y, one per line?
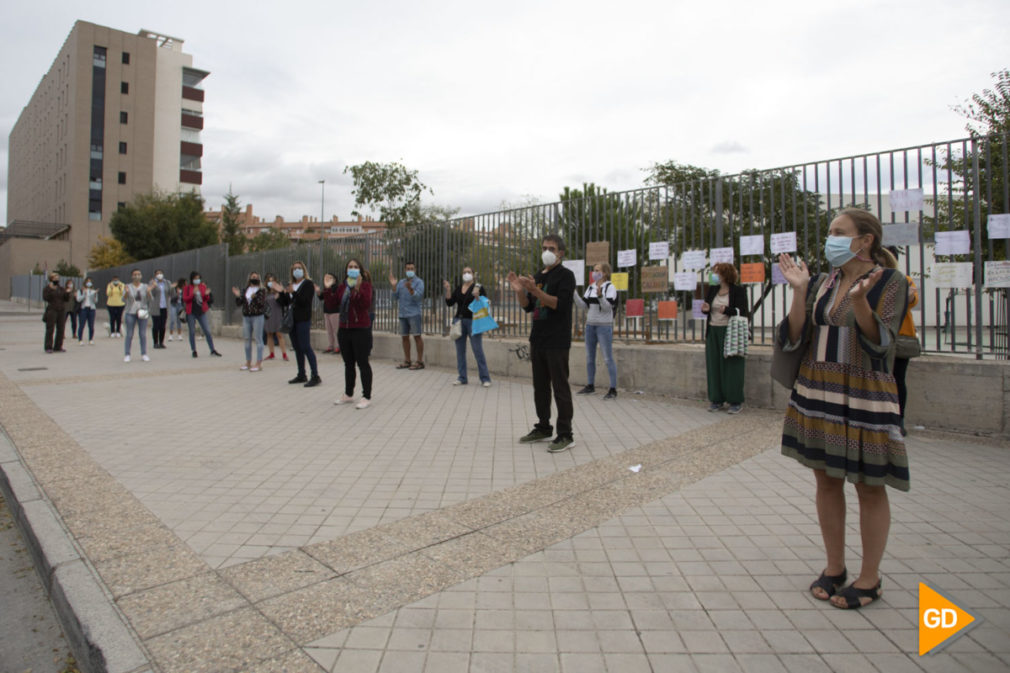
column 752, row 273
column 659, row 251
column 655, row 279
column 901, row 233
column 598, row 252
column 685, row 280
column 953, row 242
column 693, row 260
column 784, row 242
column 667, row 310
column 626, row 258
column 620, row 281
column 634, row 308
column 998, row 226
column 578, row 267
column 717, row 255
column 752, row 245
column 951, row 274
column 997, row 274
column 905, row 200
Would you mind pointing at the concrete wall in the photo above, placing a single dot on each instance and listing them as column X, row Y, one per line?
column 18, row 256
column 944, row 392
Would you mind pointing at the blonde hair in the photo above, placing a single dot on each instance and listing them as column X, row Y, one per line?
column 867, row 223
column 300, row 263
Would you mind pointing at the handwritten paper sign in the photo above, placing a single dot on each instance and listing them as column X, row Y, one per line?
column 953, row 242
column 598, row 252
column 685, row 280
column 693, row 260
column 717, row 255
column 998, row 226
column 655, row 279
column 951, row 274
column 659, row 251
column 905, row 200
column 696, row 313
column 783, row 242
column 626, row 258
column 777, row 277
column 634, row 308
column 997, row 274
column 578, row 267
column 901, row 233
column 667, row 310
column 752, row 273
column 620, row 281
column 752, row 245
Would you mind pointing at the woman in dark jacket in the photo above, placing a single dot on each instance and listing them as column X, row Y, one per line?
column 299, row 295
column 331, row 311
column 723, row 300
column 466, row 292
column 354, row 297
column 253, row 301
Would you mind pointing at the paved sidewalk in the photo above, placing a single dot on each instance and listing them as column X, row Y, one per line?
column 239, row 523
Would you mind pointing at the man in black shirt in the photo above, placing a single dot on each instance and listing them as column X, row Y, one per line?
column 548, row 296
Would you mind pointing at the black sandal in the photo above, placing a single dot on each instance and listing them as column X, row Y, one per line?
column 829, row 583
column 852, row 594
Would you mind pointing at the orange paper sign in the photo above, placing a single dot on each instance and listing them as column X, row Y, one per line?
column 752, row 273
column 667, row 310
column 634, row 308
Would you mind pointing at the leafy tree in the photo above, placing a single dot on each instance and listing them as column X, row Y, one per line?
column 64, row 268
column 271, row 239
column 158, row 224
column 391, row 188
column 107, row 253
column 230, row 231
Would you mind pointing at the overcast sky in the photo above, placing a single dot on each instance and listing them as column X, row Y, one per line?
column 493, row 102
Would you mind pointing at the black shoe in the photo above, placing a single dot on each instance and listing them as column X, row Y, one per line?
column 611, row 395
column 587, row 390
column 314, row 381
column 534, row 435
column 195, row 355
column 299, row 379
column 215, row 353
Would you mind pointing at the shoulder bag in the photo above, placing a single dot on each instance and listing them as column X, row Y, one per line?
column 737, row 337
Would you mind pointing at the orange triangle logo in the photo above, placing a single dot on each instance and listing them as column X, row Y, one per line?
column 940, row 620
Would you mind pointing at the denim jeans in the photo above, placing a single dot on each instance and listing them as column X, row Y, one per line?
column 191, row 320
column 132, row 322
column 252, row 332
column 174, row 322
column 477, row 344
column 300, row 339
column 88, row 317
column 604, row 334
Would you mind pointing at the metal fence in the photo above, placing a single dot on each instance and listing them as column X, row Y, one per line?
column 962, row 183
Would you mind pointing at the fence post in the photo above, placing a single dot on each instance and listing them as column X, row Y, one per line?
column 227, row 284
column 718, row 213
column 977, row 218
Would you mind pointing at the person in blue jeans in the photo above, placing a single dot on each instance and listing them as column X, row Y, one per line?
column 409, row 294
column 466, row 292
column 87, row 298
column 599, row 300
column 196, row 297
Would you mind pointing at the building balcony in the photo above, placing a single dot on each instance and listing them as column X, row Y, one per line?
column 192, row 122
column 190, row 177
column 192, row 93
column 191, row 149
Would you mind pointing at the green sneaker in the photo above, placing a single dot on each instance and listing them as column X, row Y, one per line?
column 561, row 443
column 535, row 435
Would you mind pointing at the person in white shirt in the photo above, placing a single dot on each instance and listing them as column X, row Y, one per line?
column 599, row 300
column 87, row 298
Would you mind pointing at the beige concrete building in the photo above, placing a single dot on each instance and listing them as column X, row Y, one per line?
column 306, row 229
column 117, row 115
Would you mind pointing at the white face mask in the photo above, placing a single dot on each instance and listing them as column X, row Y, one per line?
column 549, row 258
column 467, row 277
column 160, row 276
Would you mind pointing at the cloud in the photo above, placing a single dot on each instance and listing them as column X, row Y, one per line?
column 729, row 147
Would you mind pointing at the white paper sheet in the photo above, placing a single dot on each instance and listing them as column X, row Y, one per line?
column 626, row 258
column 997, row 274
column 752, row 245
column 905, row 200
column 998, row 225
column 901, row 233
column 578, row 267
column 694, row 260
column 659, row 251
column 951, row 274
column 685, row 280
column 717, row 255
column 783, row 242
column 953, row 242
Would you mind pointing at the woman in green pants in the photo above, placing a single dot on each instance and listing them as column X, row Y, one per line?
column 725, row 375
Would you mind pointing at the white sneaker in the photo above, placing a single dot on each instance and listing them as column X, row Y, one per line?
column 244, row 368
column 126, row 359
column 145, row 358
column 80, row 343
column 486, row 384
column 344, row 399
column 91, row 342
column 363, row 404
column 457, row 382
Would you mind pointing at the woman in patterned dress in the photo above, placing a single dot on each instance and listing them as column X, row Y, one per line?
column 843, row 419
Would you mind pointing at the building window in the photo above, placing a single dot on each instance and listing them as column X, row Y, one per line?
column 123, row 117
column 120, row 205
column 98, row 57
column 126, row 58
column 122, row 147
column 122, row 177
column 124, row 87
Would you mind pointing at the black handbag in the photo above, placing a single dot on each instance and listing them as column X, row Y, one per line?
column 288, row 319
column 907, row 347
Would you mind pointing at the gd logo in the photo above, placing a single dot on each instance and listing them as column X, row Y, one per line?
column 940, row 620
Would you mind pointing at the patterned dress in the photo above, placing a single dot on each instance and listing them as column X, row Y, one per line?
column 843, row 415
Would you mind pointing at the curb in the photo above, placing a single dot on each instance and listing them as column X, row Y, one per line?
column 95, row 629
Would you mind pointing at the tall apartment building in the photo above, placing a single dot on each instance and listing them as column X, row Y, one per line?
column 117, row 115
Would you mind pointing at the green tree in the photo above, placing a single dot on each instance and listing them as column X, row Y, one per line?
column 64, row 268
column 271, row 239
column 157, row 224
column 230, row 231
column 393, row 189
column 107, row 253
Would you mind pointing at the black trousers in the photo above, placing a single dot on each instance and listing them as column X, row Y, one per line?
column 900, row 370
column 355, row 347
column 159, row 320
column 550, row 373
column 56, row 325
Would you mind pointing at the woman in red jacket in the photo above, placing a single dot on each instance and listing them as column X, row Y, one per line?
column 196, row 298
column 354, row 336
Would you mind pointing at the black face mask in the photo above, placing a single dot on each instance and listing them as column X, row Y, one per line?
column 255, row 281
column 55, row 282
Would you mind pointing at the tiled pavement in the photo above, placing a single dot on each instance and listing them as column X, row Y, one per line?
column 417, row 536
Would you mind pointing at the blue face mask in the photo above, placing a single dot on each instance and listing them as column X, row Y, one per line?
column 714, row 279
column 298, row 274
column 353, row 273
column 838, row 250
column 410, row 274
